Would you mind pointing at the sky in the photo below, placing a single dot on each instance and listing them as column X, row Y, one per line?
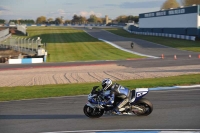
column 31, row 9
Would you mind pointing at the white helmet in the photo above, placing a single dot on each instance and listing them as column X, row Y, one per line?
column 106, row 83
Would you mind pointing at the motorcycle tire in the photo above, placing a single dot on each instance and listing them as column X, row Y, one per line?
column 89, row 112
column 146, row 105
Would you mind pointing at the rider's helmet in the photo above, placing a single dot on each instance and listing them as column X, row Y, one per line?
column 106, row 84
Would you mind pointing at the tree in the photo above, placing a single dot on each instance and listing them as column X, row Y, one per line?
column 170, row 4
column 50, row 19
column 190, row 2
column 82, row 19
column 133, row 18
column 26, row 21
column 99, row 20
column 2, row 21
column 93, row 19
column 122, row 19
column 58, row 21
column 75, row 19
column 103, row 20
column 41, row 20
column 67, row 21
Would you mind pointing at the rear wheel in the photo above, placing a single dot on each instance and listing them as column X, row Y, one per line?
column 92, row 113
column 145, row 105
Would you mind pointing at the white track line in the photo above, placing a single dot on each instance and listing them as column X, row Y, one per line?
column 126, row 50
column 133, row 130
column 114, row 45
column 164, row 89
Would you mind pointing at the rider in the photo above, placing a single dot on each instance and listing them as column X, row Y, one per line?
column 115, row 91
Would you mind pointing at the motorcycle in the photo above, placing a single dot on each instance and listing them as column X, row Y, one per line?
column 137, row 105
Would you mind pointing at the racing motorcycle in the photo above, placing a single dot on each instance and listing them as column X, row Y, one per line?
column 137, row 105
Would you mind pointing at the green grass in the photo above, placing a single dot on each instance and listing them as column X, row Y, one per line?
column 18, row 93
column 175, row 43
column 68, row 44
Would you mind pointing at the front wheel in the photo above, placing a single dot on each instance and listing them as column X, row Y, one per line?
column 92, row 113
column 145, row 105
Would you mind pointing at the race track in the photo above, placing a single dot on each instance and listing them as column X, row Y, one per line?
column 140, row 46
column 173, row 109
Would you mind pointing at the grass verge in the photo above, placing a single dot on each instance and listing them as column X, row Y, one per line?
column 69, row 44
column 171, row 42
column 44, row 91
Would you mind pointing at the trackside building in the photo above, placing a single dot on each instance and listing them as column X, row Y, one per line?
column 181, row 21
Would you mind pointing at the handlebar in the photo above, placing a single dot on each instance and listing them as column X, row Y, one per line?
column 98, row 92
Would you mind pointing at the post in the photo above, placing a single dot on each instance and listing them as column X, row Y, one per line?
column 45, row 57
column 25, row 44
column 21, row 46
column 17, row 44
column 28, row 45
column 32, row 44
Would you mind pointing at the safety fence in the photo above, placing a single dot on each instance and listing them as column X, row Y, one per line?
column 24, row 45
column 163, row 35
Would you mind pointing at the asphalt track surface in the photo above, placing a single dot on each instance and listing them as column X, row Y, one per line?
column 141, row 63
column 140, row 46
column 173, row 109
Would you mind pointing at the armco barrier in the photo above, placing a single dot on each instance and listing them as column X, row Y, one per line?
column 25, row 61
column 186, row 37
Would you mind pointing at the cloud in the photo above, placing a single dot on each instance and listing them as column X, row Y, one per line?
column 103, row 6
column 58, row 13
column 141, row 4
column 2, row 8
column 5, row 10
column 87, row 14
column 69, row 15
column 111, row 5
column 94, row 7
column 69, row 3
column 61, row 12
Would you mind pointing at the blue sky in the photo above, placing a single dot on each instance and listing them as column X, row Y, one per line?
column 31, row 9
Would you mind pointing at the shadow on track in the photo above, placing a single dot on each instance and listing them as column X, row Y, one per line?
column 53, row 116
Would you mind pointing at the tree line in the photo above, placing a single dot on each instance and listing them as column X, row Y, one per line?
column 174, row 4
column 78, row 19
column 26, row 21
column 2, row 21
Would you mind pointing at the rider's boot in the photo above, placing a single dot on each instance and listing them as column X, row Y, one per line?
column 116, row 111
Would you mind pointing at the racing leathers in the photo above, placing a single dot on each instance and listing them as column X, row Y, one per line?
column 117, row 93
